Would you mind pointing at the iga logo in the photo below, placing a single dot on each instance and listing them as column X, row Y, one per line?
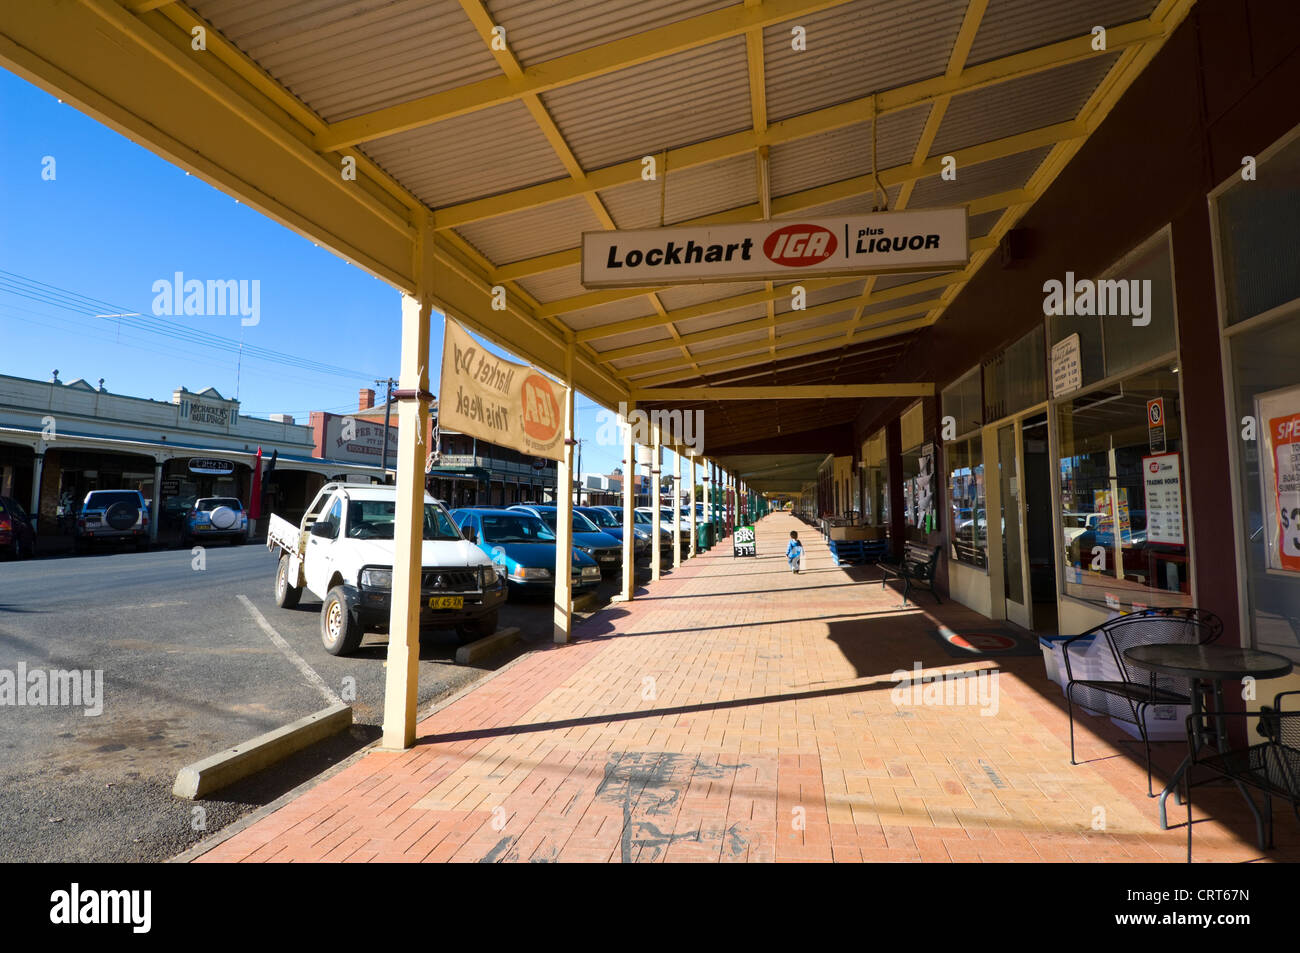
column 1154, row 466
column 797, row 246
column 541, row 411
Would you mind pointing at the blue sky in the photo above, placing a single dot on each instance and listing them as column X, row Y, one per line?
column 116, row 218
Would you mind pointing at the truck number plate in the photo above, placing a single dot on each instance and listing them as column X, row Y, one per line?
column 447, row 602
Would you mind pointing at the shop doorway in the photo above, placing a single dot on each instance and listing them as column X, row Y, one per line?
column 1040, row 537
column 1028, row 539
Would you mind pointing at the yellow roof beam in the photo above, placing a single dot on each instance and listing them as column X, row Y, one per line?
column 585, row 64
column 794, row 202
column 784, row 353
column 790, row 337
column 808, row 124
column 482, row 21
column 815, row 392
column 850, row 188
column 980, row 248
column 961, row 47
column 761, row 297
column 744, row 327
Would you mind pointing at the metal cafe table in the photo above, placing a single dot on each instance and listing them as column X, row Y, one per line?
column 1208, row 664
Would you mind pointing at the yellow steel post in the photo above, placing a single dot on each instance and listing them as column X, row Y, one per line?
column 694, row 530
column 629, row 476
column 402, row 677
column 656, row 458
column 563, row 620
column 677, row 510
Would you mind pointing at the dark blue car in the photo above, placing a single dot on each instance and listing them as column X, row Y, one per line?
column 587, row 537
column 607, row 522
column 523, row 549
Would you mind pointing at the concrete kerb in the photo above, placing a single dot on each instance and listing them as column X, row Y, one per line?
column 226, row 767
column 230, row 830
column 248, row 820
column 488, row 645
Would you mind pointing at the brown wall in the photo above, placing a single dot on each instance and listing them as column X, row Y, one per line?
column 1223, row 87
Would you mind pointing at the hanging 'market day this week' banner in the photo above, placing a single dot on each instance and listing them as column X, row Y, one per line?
column 508, row 404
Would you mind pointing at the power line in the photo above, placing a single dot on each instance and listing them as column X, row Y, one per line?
column 76, row 303
column 94, row 330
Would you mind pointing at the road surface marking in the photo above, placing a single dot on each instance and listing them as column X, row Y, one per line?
column 299, row 662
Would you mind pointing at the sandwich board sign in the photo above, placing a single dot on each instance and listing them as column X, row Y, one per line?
column 743, row 542
column 883, row 242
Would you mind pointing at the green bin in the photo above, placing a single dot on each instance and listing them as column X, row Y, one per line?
column 703, row 535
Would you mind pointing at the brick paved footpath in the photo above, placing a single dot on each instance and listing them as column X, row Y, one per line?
column 739, row 712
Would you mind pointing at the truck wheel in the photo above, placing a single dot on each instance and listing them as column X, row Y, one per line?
column 339, row 631
column 478, row 629
column 286, row 596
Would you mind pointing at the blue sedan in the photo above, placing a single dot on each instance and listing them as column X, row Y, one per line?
column 587, row 537
column 523, row 549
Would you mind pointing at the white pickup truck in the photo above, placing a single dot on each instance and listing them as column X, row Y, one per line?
column 343, row 553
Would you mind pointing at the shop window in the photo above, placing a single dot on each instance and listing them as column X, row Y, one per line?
column 1259, row 280
column 1129, row 345
column 1257, row 223
column 967, row 515
column 920, row 483
column 1016, row 378
column 963, row 401
column 1110, row 344
column 875, row 510
column 1123, row 491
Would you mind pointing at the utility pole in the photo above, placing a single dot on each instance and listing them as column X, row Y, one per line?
column 577, row 472
column 388, row 410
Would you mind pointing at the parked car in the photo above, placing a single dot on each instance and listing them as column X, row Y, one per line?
column 1074, row 525
column 342, row 552
column 612, row 525
column 112, row 516
column 587, row 536
column 642, row 522
column 523, row 549
column 667, row 520
column 215, row 517
column 174, row 509
column 17, row 532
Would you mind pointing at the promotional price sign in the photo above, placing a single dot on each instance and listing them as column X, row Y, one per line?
column 1278, row 413
column 743, row 544
column 1285, row 438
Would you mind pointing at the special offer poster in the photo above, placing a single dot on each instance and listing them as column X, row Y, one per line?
column 1280, row 471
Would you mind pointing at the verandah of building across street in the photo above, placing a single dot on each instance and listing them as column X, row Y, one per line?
column 739, row 712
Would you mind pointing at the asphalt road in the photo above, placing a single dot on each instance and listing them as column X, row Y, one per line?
column 189, row 667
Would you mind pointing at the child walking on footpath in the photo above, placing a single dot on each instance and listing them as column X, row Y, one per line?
column 794, row 551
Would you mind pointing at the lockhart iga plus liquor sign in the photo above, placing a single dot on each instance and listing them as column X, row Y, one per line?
column 884, row 242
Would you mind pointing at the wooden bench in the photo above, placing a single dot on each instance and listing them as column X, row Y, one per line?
column 917, row 565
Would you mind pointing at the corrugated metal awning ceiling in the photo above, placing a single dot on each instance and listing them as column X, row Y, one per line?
column 1008, row 88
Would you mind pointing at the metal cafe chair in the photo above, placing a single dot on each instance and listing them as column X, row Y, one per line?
column 1129, row 697
column 1271, row 766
